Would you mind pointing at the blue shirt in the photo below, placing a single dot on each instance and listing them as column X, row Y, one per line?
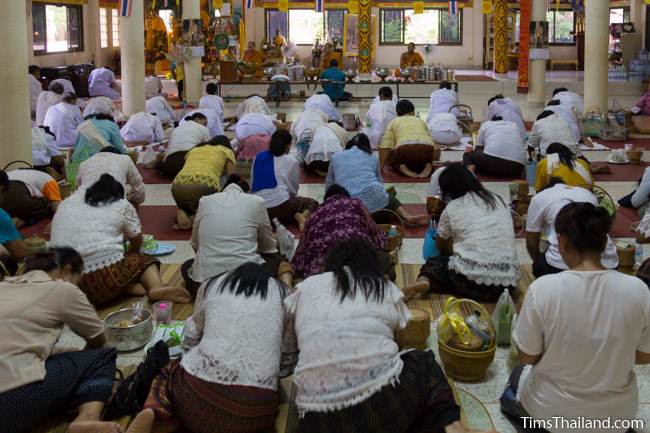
column 359, row 173
column 334, row 91
column 8, row 231
column 84, row 149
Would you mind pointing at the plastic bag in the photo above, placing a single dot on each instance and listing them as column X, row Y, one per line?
column 452, row 323
column 502, row 318
column 430, row 246
column 513, row 354
column 285, row 239
column 148, row 156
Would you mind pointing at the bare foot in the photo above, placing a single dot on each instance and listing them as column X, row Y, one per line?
column 94, row 427
column 406, row 172
column 415, row 289
column 183, row 220
column 301, row 219
column 173, row 294
column 457, row 427
column 142, row 422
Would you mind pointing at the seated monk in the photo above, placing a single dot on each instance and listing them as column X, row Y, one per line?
column 408, row 59
column 254, row 56
column 328, row 55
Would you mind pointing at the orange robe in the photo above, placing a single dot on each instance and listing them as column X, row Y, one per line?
column 407, row 59
column 256, row 57
column 327, row 58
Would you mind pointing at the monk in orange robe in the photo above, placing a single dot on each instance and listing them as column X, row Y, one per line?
column 328, row 55
column 409, row 58
column 253, row 55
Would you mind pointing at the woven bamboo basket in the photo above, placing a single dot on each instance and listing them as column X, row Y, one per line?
column 66, row 189
column 467, row 365
column 385, row 218
column 641, row 124
column 435, row 206
column 416, row 333
column 635, row 155
column 625, row 256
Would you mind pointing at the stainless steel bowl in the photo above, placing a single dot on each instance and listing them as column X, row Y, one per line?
column 129, row 338
column 406, row 72
column 382, row 72
column 268, row 72
column 350, row 73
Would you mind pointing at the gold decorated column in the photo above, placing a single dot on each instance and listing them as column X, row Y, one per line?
column 365, row 36
column 500, row 36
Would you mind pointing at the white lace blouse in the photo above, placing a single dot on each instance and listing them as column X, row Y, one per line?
column 483, row 239
column 234, row 340
column 347, row 350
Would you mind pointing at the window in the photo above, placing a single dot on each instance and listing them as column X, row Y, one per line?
column 115, row 23
column 103, row 27
column 304, row 26
column 561, row 25
column 434, row 26
column 619, row 15
column 57, row 29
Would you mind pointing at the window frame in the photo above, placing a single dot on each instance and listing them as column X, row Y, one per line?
column 115, row 24
column 325, row 20
column 403, row 16
column 81, row 39
column 105, row 23
column 552, row 37
column 626, row 12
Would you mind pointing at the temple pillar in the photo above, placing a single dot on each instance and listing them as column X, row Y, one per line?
column 193, row 73
column 596, row 54
column 537, row 66
column 365, row 36
column 132, row 59
column 524, row 35
column 500, row 18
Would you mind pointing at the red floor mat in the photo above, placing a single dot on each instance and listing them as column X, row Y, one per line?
column 152, row 176
column 620, row 173
column 158, row 221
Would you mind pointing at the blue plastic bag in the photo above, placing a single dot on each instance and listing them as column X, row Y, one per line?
column 430, row 247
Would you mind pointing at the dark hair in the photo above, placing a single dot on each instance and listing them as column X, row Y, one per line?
column 111, row 149
column 495, row 98
column 57, row 88
column 211, row 88
column 105, row 191
column 55, row 258
column 457, row 180
column 385, row 92
column 553, row 103
column 100, row 116
column 196, row 116
column 559, row 90
column 33, row 68
column 248, row 279
column 566, row 156
column 280, row 141
column 359, row 259
column 404, row 106
column 334, row 63
column 217, row 140
column 335, row 189
column 544, row 114
column 4, row 180
column 584, row 225
column 70, row 97
column 497, row 118
column 445, row 85
column 361, row 141
column 239, row 181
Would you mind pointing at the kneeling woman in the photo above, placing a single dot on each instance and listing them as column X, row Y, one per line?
column 327, row 140
column 95, row 221
column 353, row 377
column 183, row 139
column 476, row 239
column 35, row 384
column 227, row 380
column 200, row 176
column 253, row 132
column 561, row 162
column 97, row 132
column 276, row 178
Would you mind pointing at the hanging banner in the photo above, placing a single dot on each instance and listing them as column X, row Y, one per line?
column 125, row 8
column 487, row 7
column 320, row 5
column 283, row 5
column 353, row 6
column 453, row 7
column 418, row 7
column 525, row 10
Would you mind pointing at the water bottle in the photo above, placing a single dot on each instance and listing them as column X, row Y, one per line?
column 392, row 233
column 638, row 254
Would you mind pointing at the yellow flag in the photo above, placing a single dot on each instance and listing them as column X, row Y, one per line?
column 353, row 6
column 486, row 6
column 283, row 5
column 418, row 7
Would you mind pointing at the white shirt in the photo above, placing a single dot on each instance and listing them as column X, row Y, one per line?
column 160, row 106
column 377, row 100
column 509, row 111
column 152, row 86
column 444, row 128
column 565, row 113
column 99, row 105
column 571, row 99
column 323, row 103
column 543, row 210
column 551, row 129
column 35, row 89
column 215, row 125
column 254, row 104
column 143, row 127
column 287, row 174
column 213, row 102
column 484, row 240
column 43, row 147
column 100, row 81
column 121, row 167
column 67, row 85
column 434, row 183
column 347, row 349
column 186, row 136
column 325, row 143
column 97, row 233
column 46, row 100
column 306, row 123
column 63, row 120
column 233, row 339
column 34, row 180
column 501, row 140
column 587, row 327
column 379, row 115
column 254, row 124
column 441, row 101
column 230, row 229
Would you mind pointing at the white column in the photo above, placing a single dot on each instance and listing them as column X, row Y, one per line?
column 30, row 35
column 94, row 38
column 15, row 121
column 193, row 74
column 596, row 62
column 132, row 53
column 537, row 69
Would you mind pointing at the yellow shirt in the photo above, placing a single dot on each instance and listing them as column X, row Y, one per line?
column 204, row 165
column 406, row 130
column 569, row 176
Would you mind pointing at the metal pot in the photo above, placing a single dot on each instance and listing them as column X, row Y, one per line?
column 350, row 73
column 382, row 73
column 129, row 338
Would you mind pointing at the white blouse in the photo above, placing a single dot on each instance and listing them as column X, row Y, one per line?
column 347, row 349
column 484, row 240
column 186, row 136
column 143, row 127
column 235, row 340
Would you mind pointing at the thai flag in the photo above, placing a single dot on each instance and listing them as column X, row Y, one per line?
column 125, row 8
column 453, row 7
column 319, row 5
column 249, row 4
